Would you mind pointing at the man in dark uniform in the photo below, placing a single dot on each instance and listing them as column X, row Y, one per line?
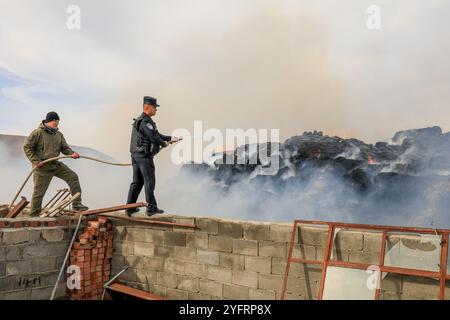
column 146, row 142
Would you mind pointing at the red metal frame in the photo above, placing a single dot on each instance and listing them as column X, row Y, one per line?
column 326, row 262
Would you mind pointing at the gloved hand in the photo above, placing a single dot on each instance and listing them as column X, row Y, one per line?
column 175, row 139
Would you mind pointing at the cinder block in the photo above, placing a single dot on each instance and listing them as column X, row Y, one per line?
column 118, row 260
column 135, row 262
column 310, row 235
column 185, row 221
column 258, row 294
column 369, row 257
column 44, row 264
column 188, row 283
column 58, row 249
column 198, row 296
column 218, row 243
column 154, row 236
column 2, row 269
column 14, row 252
column 163, row 252
column 372, row 242
column 245, row 278
column 174, row 239
column 304, row 252
column 166, row 279
column 185, row 253
column 212, row 288
column 235, row 292
column 256, row 231
column 422, row 288
column 18, row 295
column 349, row 240
column 272, row 249
column 35, row 235
column 278, row 265
column 53, row 234
column 208, row 257
column 119, row 232
column 144, row 249
column 158, row 290
column 219, row 274
column 196, row 270
column 15, row 236
column 233, row 261
column 154, row 263
column 270, row 281
column 280, row 233
column 146, row 276
column 175, row 294
column 174, row 266
column 35, row 251
column 126, row 248
column 8, row 283
column 197, row 240
column 207, row 225
column 258, row 264
column 2, row 253
column 41, row 293
column 19, row 267
column 135, row 234
column 247, row 247
column 230, row 229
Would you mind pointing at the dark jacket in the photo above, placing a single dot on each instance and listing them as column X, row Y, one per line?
column 145, row 138
column 45, row 143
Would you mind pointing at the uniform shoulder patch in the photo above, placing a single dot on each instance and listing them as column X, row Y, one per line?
column 150, row 126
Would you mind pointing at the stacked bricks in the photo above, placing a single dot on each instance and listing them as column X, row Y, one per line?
column 92, row 253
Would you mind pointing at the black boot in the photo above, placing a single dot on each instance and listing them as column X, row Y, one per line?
column 153, row 211
column 79, row 207
column 129, row 212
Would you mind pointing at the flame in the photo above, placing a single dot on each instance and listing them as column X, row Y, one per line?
column 371, row 160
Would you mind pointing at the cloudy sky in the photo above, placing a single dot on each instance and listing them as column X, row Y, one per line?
column 291, row 65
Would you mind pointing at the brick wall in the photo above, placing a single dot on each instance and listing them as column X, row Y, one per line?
column 30, row 257
column 220, row 259
column 243, row 260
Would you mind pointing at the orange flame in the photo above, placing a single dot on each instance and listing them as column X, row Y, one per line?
column 371, row 160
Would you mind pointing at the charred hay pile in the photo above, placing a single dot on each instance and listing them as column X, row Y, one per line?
column 415, row 160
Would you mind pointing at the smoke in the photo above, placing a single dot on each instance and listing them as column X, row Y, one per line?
column 412, row 190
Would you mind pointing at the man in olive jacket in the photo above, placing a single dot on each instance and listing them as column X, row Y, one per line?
column 44, row 143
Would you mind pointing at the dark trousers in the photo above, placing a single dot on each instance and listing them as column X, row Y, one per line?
column 143, row 176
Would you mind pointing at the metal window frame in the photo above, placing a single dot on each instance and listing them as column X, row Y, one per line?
column 326, row 262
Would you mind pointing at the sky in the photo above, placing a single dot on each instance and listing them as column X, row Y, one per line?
column 290, row 65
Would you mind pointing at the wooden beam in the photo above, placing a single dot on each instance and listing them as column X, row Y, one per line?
column 117, row 287
column 18, row 208
column 112, row 209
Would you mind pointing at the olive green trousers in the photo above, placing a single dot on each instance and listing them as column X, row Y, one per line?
column 42, row 178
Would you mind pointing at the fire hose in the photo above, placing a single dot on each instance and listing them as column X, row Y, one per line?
column 58, row 158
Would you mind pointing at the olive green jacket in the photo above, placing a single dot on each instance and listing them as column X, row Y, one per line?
column 45, row 143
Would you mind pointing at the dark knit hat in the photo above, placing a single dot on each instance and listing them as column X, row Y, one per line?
column 51, row 116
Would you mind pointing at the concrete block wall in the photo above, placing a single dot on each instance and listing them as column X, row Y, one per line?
column 224, row 259
column 31, row 257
